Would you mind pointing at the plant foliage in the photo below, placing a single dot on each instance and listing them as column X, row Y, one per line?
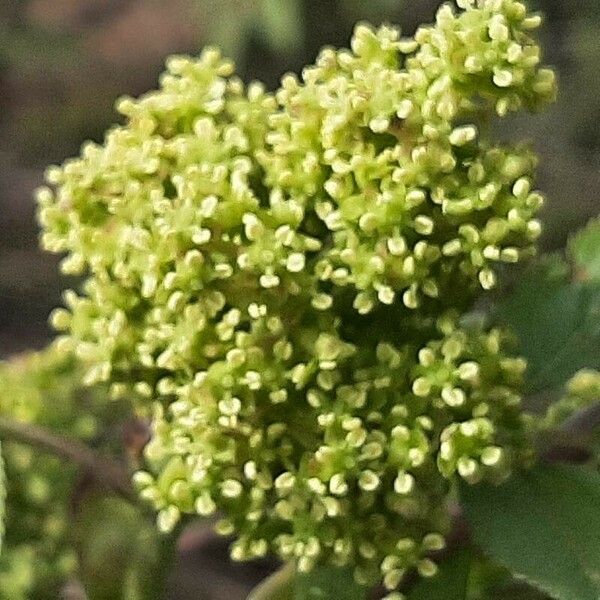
column 544, row 526
column 246, row 254
column 283, row 284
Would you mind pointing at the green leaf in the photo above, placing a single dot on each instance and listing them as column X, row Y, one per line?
column 516, row 591
column 281, row 22
column 584, row 250
column 323, row 583
column 543, row 525
column 451, row 581
column 229, row 34
column 121, row 553
column 328, row 583
column 557, row 323
column 490, row 581
column 279, row 586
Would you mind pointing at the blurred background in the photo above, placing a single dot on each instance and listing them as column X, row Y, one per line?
column 63, row 63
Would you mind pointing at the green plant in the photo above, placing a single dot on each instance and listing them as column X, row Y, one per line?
column 60, row 491
column 296, row 288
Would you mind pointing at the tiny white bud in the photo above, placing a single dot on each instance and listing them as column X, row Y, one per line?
column 269, row 280
column 295, row 262
column 404, row 483
column 463, row 135
column 386, row 294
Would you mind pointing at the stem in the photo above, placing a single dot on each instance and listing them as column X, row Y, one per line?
column 103, row 469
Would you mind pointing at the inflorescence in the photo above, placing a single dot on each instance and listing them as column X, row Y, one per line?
column 283, row 277
column 44, row 389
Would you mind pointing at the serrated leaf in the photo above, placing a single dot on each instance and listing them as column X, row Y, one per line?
column 584, row 250
column 543, row 525
column 328, row 583
column 450, row 583
column 556, row 321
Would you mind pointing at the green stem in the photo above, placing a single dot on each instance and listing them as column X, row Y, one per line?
column 104, row 469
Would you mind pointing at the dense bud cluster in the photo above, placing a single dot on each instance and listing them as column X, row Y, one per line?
column 283, row 278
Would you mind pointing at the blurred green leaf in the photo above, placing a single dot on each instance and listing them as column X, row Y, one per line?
column 328, row 583
column 491, row 581
column 279, row 586
column 120, row 551
column 584, row 249
column 516, row 591
column 282, row 24
column 451, row 581
column 543, row 525
column 323, row 583
column 557, row 323
column 278, row 22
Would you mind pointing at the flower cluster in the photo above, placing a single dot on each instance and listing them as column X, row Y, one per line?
column 61, row 526
column 41, row 388
column 283, row 278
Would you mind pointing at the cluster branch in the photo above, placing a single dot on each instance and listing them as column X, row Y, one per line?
column 105, row 470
